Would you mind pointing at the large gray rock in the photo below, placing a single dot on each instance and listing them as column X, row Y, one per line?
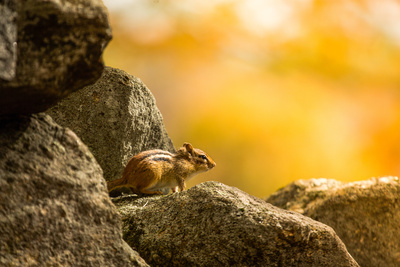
column 116, row 118
column 49, row 49
column 365, row 214
column 54, row 207
column 212, row 224
column 8, row 40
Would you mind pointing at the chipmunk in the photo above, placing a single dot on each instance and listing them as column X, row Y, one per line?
column 153, row 170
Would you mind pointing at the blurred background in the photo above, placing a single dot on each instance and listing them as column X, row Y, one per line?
column 273, row 90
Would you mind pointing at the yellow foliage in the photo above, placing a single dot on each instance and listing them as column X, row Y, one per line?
column 316, row 95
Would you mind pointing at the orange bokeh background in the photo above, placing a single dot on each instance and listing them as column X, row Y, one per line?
column 273, row 90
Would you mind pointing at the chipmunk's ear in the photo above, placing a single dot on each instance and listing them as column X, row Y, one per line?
column 189, row 147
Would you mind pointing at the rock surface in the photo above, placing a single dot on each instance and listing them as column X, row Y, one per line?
column 52, row 48
column 54, row 208
column 212, row 224
column 116, row 118
column 365, row 214
column 8, row 39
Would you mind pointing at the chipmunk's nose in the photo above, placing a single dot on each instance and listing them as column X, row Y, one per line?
column 211, row 164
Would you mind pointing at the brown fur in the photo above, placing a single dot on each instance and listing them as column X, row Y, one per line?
column 150, row 171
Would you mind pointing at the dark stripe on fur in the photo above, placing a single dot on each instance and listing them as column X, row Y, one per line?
column 161, row 159
column 154, row 153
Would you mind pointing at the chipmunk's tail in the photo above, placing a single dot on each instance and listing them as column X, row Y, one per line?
column 115, row 184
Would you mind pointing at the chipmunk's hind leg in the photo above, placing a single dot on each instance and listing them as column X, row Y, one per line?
column 139, row 191
column 147, row 190
column 133, row 189
column 149, row 186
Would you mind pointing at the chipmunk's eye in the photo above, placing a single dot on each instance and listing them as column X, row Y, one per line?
column 203, row 156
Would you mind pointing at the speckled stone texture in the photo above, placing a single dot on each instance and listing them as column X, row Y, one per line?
column 364, row 214
column 48, row 50
column 116, row 118
column 54, row 207
column 212, row 224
